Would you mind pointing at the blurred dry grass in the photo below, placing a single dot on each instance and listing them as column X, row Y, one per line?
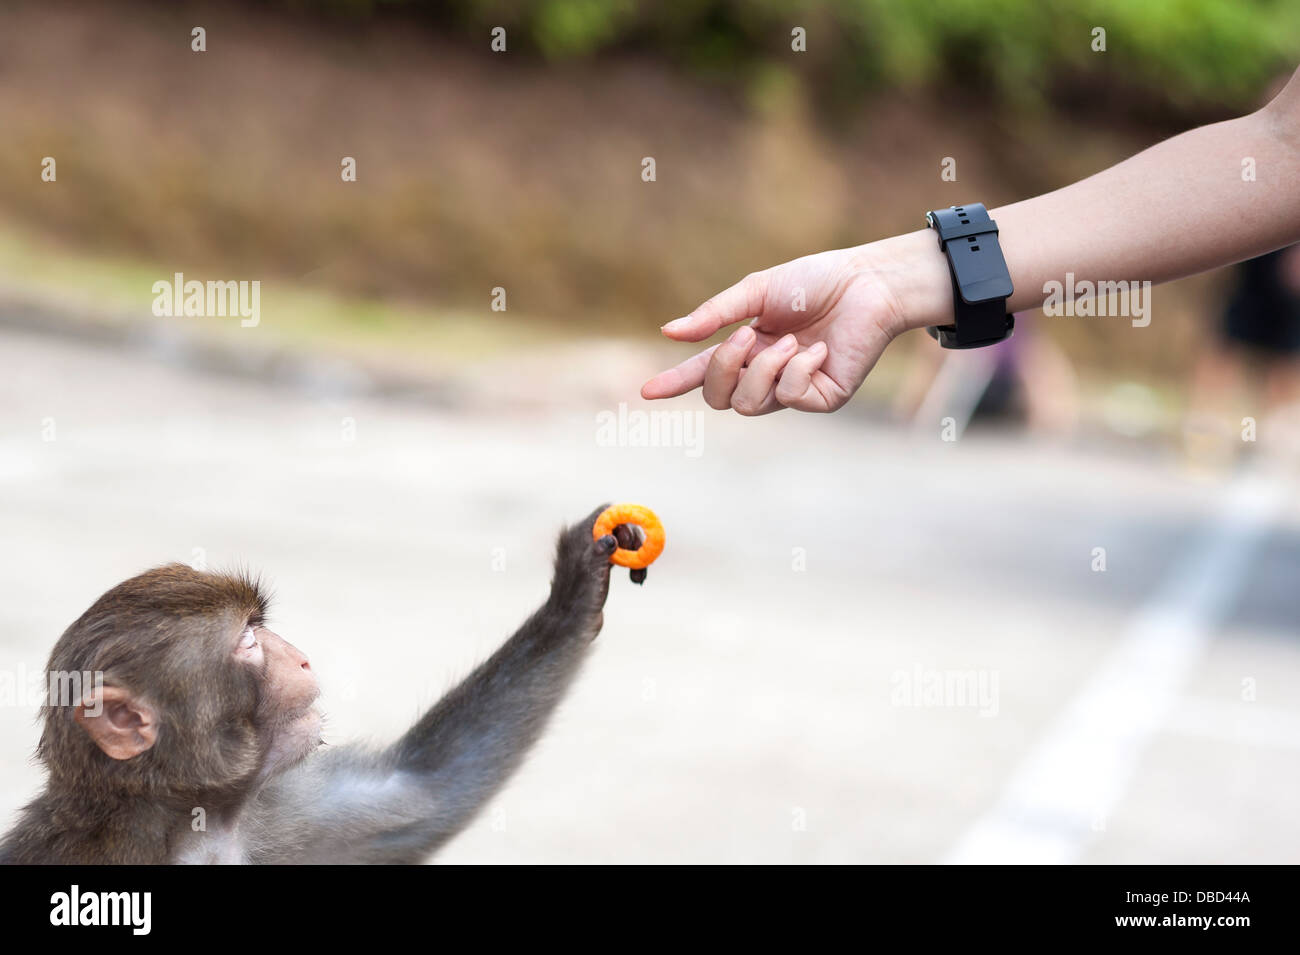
column 478, row 170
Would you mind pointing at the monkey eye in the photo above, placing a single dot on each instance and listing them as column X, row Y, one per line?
column 247, row 639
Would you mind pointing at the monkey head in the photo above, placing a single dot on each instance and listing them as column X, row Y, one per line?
column 198, row 696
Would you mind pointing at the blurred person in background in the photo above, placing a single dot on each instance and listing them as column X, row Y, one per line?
column 1250, row 367
column 1026, row 380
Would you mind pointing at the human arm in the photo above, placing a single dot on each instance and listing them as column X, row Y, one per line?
column 1177, row 208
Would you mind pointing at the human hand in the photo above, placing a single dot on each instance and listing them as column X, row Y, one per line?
column 811, row 358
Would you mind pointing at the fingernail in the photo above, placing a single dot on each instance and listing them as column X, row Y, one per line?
column 740, row 335
column 675, row 323
column 786, row 343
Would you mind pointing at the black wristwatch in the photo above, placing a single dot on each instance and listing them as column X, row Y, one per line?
column 981, row 283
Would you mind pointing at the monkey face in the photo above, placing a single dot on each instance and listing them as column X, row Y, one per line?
column 197, row 694
column 288, row 689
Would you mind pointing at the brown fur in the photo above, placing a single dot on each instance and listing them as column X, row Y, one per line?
column 166, row 635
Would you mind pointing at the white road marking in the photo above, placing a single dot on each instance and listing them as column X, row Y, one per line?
column 1059, row 797
column 1248, row 724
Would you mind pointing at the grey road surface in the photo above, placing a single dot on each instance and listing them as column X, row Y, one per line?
column 860, row 645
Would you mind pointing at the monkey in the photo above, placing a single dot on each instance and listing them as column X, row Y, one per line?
column 201, row 743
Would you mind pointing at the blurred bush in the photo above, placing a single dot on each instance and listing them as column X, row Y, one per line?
column 1198, row 52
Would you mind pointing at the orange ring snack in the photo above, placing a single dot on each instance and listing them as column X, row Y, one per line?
column 642, row 517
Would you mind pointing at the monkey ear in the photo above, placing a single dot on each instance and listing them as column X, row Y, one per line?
column 119, row 723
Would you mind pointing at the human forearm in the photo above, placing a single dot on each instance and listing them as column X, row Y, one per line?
column 1180, row 207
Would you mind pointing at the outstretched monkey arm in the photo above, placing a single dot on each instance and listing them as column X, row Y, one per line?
column 350, row 805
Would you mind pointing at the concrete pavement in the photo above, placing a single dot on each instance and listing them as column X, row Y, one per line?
column 857, row 643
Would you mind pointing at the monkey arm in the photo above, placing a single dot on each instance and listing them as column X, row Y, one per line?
column 400, row 804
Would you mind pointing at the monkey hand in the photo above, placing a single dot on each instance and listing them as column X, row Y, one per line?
column 582, row 567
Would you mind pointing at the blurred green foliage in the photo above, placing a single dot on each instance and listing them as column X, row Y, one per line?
column 1190, row 53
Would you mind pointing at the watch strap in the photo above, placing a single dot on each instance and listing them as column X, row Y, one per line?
column 981, row 283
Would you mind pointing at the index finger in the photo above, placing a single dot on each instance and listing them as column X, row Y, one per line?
column 685, row 377
column 743, row 300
